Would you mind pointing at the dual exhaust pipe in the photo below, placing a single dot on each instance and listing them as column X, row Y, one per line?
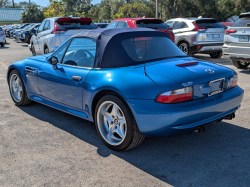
column 202, row 128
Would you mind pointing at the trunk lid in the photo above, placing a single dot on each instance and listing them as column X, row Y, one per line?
column 240, row 34
column 199, row 75
column 210, row 30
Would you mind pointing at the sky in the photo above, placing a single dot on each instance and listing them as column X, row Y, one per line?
column 46, row 2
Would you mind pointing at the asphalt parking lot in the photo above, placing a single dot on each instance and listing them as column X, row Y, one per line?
column 41, row 146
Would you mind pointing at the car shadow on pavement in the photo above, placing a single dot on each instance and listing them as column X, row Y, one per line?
column 4, row 47
column 212, row 158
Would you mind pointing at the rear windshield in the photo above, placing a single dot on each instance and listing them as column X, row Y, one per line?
column 154, row 24
column 209, row 23
column 75, row 24
column 242, row 22
column 143, row 49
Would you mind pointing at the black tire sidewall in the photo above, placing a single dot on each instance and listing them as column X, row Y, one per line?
column 218, row 55
column 23, row 87
column 33, row 50
column 129, row 121
column 237, row 64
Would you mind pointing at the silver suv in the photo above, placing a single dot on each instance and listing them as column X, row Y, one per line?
column 55, row 31
column 198, row 35
column 236, row 42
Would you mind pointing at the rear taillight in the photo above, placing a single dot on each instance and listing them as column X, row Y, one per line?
column 57, row 31
column 234, row 81
column 197, row 28
column 227, row 32
column 176, row 96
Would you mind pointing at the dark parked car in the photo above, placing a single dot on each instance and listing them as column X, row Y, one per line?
column 26, row 35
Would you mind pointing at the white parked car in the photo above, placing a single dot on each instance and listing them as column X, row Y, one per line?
column 55, row 31
column 2, row 37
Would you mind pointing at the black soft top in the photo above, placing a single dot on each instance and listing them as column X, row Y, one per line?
column 109, row 50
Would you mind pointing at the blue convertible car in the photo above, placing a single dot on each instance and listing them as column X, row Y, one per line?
column 131, row 82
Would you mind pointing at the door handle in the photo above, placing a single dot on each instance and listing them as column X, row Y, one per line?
column 76, row 78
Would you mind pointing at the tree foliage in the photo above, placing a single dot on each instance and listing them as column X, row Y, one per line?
column 32, row 14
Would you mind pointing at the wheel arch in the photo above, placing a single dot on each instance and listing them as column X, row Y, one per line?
column 101, row 94
column 182, row 40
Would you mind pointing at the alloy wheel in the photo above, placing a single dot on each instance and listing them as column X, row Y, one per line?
column 111, row 123
column 184, row 48
column 16, row 87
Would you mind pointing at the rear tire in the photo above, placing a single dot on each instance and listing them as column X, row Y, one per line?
column 17, row 89
column 185, row 48
column 118, row 132
column 240, row 64
column 2, row 44
column 216, row 54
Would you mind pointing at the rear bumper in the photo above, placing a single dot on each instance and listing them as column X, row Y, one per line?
column 206, row 48
column 155, row 119
column 237, row 52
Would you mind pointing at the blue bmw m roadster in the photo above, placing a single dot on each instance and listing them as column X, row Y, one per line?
column 131, row 83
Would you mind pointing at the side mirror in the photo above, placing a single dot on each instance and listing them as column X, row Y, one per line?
column 52, row 60
column 35, row 33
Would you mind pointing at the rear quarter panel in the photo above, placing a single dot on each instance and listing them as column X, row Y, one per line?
column 127, row 82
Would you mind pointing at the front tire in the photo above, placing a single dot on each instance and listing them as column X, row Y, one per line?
column 17, row 89
column 216, row 54
column 240, row 64
column 116, row 125
column 33, row 50
column 2, row 44
column 46, row 50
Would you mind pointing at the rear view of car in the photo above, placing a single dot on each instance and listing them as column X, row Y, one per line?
column 152, row 23
column 55, row 31
column 237, row 44
column 2, row 37
column 198, row 35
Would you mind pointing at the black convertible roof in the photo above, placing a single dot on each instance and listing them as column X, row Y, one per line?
column 109, row 50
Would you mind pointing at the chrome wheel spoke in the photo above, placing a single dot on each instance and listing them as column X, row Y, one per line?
column 120, row 133
column 114, row 111
column 19, row 94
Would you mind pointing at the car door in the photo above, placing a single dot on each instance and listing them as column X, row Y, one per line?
column 37, row 38
column 64, row 84
column 179, row 29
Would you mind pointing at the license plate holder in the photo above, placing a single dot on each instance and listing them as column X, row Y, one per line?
column 243, row 38
column 216, row 35
column 216, row 86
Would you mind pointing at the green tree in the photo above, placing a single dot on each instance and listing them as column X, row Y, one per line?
column 136, row 10
column 32, row 14
column 5, row 3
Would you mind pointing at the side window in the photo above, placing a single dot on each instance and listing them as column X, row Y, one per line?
column 81, row 52
column 180, row 25
column 121, row 24
column 112, row 25
column 125, row 25
column 41, row 26
column 60, row 52
column 46, row 26
column 169, row 23
column 184, row 25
